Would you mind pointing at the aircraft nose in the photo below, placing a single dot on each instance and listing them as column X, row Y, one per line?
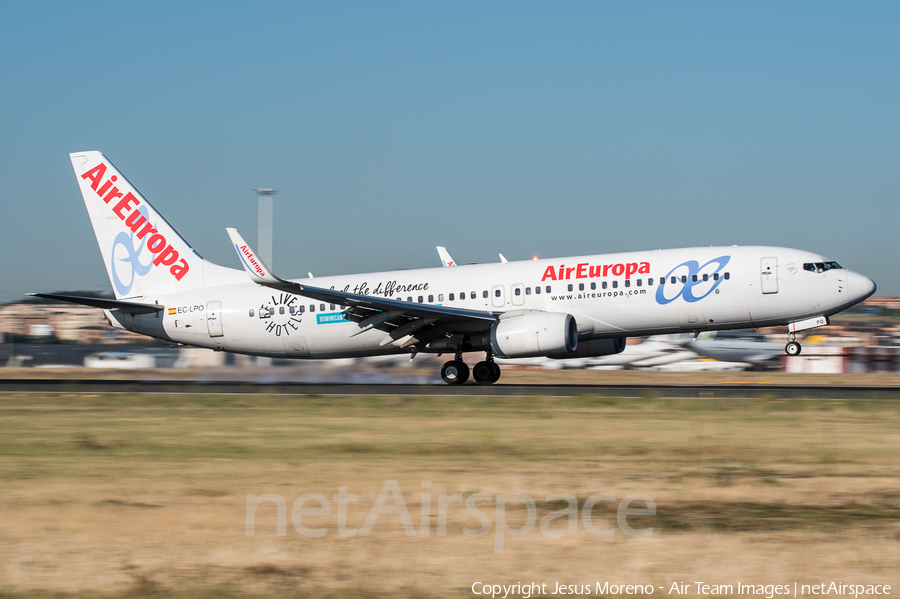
column 859, row 286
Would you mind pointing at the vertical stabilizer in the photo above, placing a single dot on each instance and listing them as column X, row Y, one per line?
column 143, row 254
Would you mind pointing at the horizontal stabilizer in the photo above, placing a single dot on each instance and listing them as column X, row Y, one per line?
column 98, row 302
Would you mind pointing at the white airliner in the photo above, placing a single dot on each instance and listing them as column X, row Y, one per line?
column 570, row 307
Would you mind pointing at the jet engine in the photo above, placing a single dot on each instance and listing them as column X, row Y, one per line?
column 534, row 334
column 594, row 348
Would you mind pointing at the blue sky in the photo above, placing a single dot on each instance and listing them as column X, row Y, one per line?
column 545, row 129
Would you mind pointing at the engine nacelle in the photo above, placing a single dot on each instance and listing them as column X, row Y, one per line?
column 534, row 334
column 594, row 348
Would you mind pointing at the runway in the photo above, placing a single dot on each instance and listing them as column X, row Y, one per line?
column 713, row 391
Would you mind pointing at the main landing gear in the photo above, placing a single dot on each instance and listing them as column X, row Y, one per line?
column 792, row 348
column 456, row 372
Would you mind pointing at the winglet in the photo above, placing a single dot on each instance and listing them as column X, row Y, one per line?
column 446, row 258
column 252, row 263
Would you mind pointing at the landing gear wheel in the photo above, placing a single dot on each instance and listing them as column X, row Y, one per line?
column 792, row 349
column 485, row 373
column 496, row 374
column 455, row 372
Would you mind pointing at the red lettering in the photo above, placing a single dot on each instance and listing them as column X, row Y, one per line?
column 606, row 269
column 618, row 269
column 124, row 204
column 630, row 269
column 595, row 271
column 549, row 274
column 156, row 243
column 166, row 257
column 180, row 269
column 95, row 175
column 569, row 272
column 133, row 222
column 106, row 185
column 645, row 268
column 148, row 228
column 581, row 272
column 113, row 195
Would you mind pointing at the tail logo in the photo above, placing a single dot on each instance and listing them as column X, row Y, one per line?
column 137, row 219
column 132, row 258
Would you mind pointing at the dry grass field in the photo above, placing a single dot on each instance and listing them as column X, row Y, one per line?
column 146, row 496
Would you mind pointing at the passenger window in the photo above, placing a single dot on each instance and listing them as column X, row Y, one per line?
column 496, row 293
column 570, row 286
column 547, row 289
column 421, row 299
column 409, row 299
column 332, row 306
column 452, row 296
column 430, row 299
column 593, row 286
column 638, row 282
column 684, row 278
column 628, row 282
column 518, row 291
column 537, row 290
column 662, row 280
column 301, row 309
column 580, row 286
column 474, row 295
column 705, row 278
column 615, row 284
column 484, row 294
column 281, row 309
column 650, row 282
column 252, row 312
column 727, row 276
column 528, row 291
column 675, row 280
column 715, row 276
column 312, row 307
column 321, row 307
column 440, row 297
column 604, row 284
column 694, row 278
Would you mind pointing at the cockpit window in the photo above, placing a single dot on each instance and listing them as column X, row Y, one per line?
column 820, row 266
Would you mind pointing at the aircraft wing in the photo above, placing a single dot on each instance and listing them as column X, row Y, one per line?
column 106, row 304
column 398, row 318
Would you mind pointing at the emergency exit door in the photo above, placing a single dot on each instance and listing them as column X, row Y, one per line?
column 769, row 274
column 214, row 318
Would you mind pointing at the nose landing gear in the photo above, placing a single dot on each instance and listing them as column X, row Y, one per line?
column 792, row 348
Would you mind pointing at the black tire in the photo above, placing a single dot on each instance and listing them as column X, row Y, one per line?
column 793, row 349
column 483, row 373
column 455, row 373
column 496, row 375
